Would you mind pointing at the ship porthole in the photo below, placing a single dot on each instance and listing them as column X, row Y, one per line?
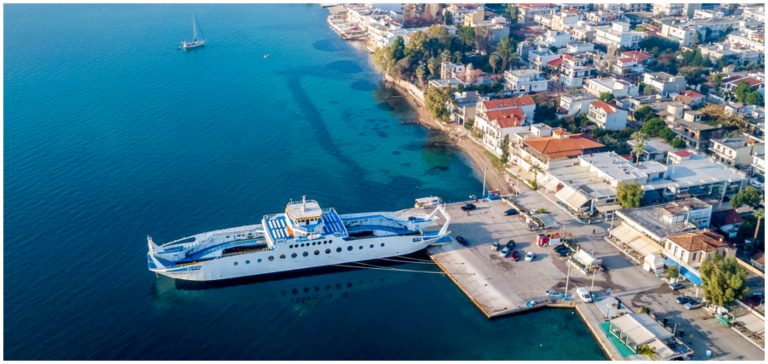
column 271, row 258
column 382, row 244
column 247, row 262
column 317, row 252
column 371, row 246
column 305, row 254
column 338, row 250
column 350, row 248
column 282, row 256
column 361, row 247
column 293, row 255
column 258, row 260
column 235, row 263
column 327, row 251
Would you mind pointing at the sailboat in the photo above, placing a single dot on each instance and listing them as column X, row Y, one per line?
column 196, row 35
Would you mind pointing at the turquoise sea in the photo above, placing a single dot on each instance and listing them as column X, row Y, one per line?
column 112, row 133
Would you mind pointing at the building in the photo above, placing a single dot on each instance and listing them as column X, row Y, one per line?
column 574, row 103
column 525, row 81
column 616, row 87
column 667, row 9
column 696, row 175
column 691, row 32
column 462, row 107
column 541, row 151
column 607, row 116
column 656, row 149
column 636, row 330
column 690, row 98
column 727, row 222
column 579, row 47
column 690, row 249
column 629, row 65
column 553, row 38
column 527, row 12
column 731, row 54
column 664, row 83
column 617, row 35
column 573, row 71
column 496, row 125
column 525, row 103
column 696, row 134
column 645, row 229
column 733, row 151
column 539, row 57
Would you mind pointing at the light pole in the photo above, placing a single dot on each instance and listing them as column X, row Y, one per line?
column 592, row 287
column 567, row 278
column 485, row 169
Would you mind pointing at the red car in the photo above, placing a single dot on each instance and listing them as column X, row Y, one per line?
column 515, row 255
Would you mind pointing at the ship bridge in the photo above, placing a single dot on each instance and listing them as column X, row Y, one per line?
column 279, row 227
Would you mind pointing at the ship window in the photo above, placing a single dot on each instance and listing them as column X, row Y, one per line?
column 371, row 246
column 235, row 263
column 302, row 245
column 258, row 260
column 227, row 236
column 305, row 254
column 247, row 262
column 338, row 250
column 313, row 243
column 282, row 256
column 317, row 252
column 327, row 251
column 361, row 247
column 382, row 244
column 293, row 255
column 350, row 248
column 271, row 258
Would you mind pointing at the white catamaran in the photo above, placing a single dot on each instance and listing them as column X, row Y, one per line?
column 304, row 236
column 197, row 40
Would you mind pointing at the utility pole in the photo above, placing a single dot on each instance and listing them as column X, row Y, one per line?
column 485, row 169
column 592, row 287
column 567, row 278
column 613, row 216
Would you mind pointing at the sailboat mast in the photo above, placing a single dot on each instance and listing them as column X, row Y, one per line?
column 194, row 28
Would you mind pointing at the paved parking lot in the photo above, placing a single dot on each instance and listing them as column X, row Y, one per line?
column 499, row 285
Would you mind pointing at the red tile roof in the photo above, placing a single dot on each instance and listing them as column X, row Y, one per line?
column 556, row 62
column 509, row 102
column 558, row 147
column 636, row 56
column 691, row 93
column 726, row 217
column 608, row 108
column 507, row 118
column 705, row 240
column 682, row 153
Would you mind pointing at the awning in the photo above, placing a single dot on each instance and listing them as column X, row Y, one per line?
column 638, row 242
column 551, row 185
column 687, row 274
column 572, row 198
column 548, row 221
column 608, row 208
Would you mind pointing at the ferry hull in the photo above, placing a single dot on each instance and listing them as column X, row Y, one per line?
column 336, row 253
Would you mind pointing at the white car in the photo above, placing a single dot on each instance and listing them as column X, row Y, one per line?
column 584, row 294
column 529, row 256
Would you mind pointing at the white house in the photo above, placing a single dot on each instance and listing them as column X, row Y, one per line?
column 616, row 87
column 572, row 104
column 617, row 35
column 525, row 81
column 607, row 116
column 664, row 83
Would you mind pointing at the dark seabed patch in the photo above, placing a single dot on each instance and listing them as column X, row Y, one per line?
column 436, row 170
column 325, row 45
column 344, row 66
column 334, row 102
column 364, row 85
column 362, row 133
column 413, row 146
column 381, row 134
column 396, row 152
column 385, row 106
column 404, row 183
column 406, row 164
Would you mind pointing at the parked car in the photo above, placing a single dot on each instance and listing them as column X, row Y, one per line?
column 563, row 252
column 694, row 304
column 515, row 255
column 496, row 246
column 511, row 244
column 584, row 294
column 505, row 252
column 460, row 239
column 529, row 256
column 683, row 299
column 561, row 247
column 511, row 212
column 675, row 286
column 469, row 207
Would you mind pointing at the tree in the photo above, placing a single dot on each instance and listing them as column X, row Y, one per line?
column 644, row 113
column 722, row 280
column 646, row 350
column 512, row 13
column 673, row 272
column 606, row 97
column 758, row 214
column 753, row 98
column 629, row 194
column 742, row 90
column 504, row 51
column 433, row 66
column 421, row 74
column 494, row 60
column 505, row 149
column 448, row 18
column 639, row 148
column 747, row 196
column 434, row 101
column 717, row 80
column 466, row 35
column 535, row 169
column 397, row 48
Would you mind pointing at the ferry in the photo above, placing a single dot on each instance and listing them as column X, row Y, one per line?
column 304, row 236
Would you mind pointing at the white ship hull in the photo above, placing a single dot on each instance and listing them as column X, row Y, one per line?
column 303, row 237
column 258, row 263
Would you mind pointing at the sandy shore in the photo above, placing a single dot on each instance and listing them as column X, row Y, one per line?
column 474, row 152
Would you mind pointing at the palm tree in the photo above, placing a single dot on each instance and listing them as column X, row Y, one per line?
column 758, row 214
column 639, row 148
column 535, row 169
column 494, row 61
